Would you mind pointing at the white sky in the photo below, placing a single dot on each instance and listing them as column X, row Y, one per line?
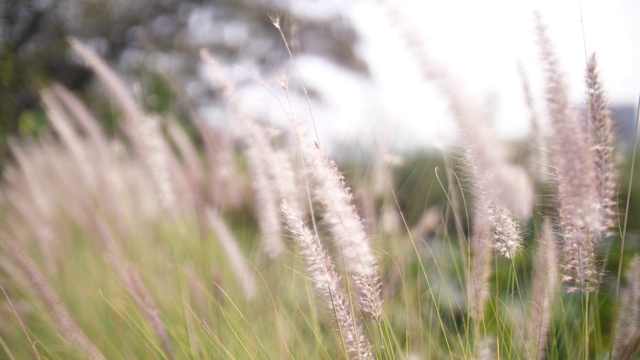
column 481, row 42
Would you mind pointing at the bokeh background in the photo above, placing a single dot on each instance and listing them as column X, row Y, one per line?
column 364, row 84
column 369, row 69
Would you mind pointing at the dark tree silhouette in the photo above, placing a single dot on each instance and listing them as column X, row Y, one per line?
column 34, row 50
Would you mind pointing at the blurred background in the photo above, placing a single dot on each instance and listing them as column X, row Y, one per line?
column 365, row 86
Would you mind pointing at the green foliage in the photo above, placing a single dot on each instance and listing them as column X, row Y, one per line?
column 32, row 124
column 129, row 265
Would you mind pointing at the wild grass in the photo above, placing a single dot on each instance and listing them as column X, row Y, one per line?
column 153, row 242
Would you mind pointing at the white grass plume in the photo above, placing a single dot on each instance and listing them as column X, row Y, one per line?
column 143, row 130
column 602, row 141
column 350, row 240
column 577, row 197
column 260, row 158
column 327, row 285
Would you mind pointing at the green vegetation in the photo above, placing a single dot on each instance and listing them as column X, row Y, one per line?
column 158, row 241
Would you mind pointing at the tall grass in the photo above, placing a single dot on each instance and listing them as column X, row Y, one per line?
column 249, row 243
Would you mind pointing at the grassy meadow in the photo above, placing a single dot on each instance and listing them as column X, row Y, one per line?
column 166, row 239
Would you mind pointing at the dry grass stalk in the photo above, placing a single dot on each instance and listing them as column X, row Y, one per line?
column 149, row 310
column 18, row 312
column 225, row 185
column 134, row 284
column 512, row 186
column 29, row 198
column 234, row 254
column 505, row 231
column 95, row 146
column 577, row 196
column 117, row 89
column 543, row 290
column 284, row 176
column 158, row 157
column 266, row 200
column 327, row 188
column 142, row 130
column 189, row 154
column 260, row 158
column 69, row 136
column 489, row 208
column 539, row 158
column 602, row 139
column 68, row 328
column 76, row 170
column 85, row 120
column 494, row 227
column 199, row 295
column 480, row 267
column 328, row 286
column 627, row 331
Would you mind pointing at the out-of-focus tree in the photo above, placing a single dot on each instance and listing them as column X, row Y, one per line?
column 32, row 52
column 161, row 36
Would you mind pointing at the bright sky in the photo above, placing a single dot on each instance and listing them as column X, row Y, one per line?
column 481, row 42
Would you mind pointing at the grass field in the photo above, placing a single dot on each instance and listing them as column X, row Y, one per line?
column 160, row 240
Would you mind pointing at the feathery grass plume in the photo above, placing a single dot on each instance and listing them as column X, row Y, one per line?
column 602, row 138
column 194, row 175
column 68, row 328
column 260, row 158
column 30, row 161
column 234, row 254
column 488, row 206
column 158, row 158
column 225, row 182
column 543, row 291
column 480, row 267
column 512, row 186
column 577, row 196
column 69, row 136
column 627, row 331
column 266, row 200
column 142, row 130
column 90, row 160
column 494, row 227
column 29, row 198
column 96, row 146
column 505, row 233
column 118, row 91
column 282, row 172
column 47, row 165
column 85, row 120
column 327, row 285
column 327, row 188
column 538, row 162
